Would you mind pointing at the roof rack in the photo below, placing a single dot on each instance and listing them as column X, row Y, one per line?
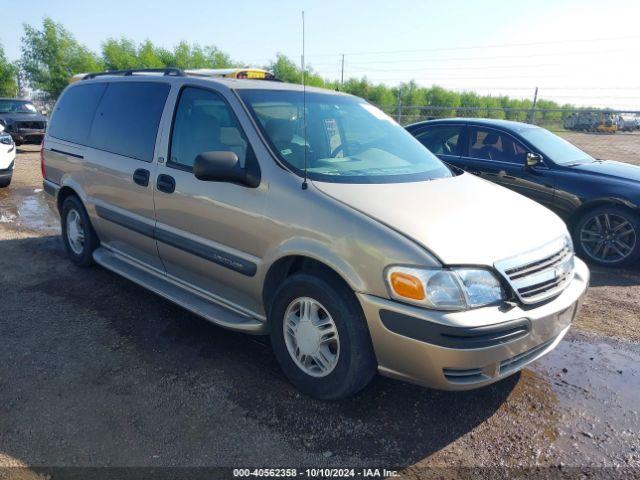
column 170, row 72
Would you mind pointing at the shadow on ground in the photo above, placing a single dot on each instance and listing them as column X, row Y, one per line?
column 109, row 372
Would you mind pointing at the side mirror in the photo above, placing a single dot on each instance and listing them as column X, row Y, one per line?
column 533, row 159
column 222, row 166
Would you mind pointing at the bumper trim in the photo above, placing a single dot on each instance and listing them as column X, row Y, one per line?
column 50, row 188
column 454, row 337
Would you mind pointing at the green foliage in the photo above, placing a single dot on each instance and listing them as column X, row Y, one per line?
column 8, row 76
column 123, row 54
column 51, row 55
column 287, row 71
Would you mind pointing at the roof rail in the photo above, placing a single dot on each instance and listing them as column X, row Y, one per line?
column 169, row 71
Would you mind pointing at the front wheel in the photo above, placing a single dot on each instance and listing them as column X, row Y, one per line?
column 5, row 182
column 320, row 337
column 608, row 236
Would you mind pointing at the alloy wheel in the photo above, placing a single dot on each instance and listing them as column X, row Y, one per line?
column 608, row 237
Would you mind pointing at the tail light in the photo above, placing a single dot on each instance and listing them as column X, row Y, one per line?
column 42, row 165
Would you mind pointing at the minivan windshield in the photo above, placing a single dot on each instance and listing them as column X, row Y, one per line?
column 347, row 139
column 557, row 149
column 16, row 106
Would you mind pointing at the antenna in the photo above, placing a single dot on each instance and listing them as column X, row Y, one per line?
column 304, row 110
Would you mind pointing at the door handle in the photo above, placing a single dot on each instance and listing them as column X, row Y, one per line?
column 141, row 177
column 166, row 183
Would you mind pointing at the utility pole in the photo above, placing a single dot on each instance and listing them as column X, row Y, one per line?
column 342, row 73
column 533, row 109
column 399, row 112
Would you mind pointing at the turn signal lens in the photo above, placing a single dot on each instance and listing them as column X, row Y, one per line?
column 407, row 286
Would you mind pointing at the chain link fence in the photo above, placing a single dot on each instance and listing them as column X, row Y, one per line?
column 605, row 134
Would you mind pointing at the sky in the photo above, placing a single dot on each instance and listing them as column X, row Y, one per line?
column 576, row 51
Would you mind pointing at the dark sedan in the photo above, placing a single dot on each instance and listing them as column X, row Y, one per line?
column 598, row 199
column 21, row 120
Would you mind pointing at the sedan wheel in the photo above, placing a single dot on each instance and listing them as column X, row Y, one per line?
column 609, row 236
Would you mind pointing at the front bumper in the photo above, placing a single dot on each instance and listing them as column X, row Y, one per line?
column 470, row 349
column 7, row 172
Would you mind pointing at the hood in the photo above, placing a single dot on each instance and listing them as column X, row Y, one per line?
column 610, row 168
column 462, row 220
column 23, row 117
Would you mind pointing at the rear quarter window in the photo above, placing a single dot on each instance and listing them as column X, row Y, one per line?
column 73, row 114
column 127, row 119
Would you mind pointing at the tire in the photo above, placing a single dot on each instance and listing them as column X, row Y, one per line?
column 5, row 182
column 355, row 363
column 603, row 246
column 80, row 253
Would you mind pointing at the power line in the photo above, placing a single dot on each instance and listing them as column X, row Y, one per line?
column 474, row 67
column 475, row 47
column 482, row 58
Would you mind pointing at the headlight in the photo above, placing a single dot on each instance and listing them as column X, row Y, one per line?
column 6, row 139
column 444, row 289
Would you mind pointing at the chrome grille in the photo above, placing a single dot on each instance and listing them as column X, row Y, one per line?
column 541, row 273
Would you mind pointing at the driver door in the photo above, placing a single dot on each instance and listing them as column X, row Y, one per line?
column 497, row 156
column 208, row 233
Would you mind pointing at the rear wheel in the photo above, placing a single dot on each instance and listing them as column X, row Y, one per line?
column 5, row 182
column 608, row 236
column 320, row 337
column 78, row 236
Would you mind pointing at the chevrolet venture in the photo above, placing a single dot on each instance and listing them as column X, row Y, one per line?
column 314, row 218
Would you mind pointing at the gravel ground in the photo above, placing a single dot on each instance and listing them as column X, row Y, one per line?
column 621, row 146
column 96, row 371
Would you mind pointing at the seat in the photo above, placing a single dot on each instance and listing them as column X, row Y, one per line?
column 202, row 135
column 490, row 150
column 281, row 132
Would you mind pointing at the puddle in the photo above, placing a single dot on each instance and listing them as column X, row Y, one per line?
column 26, row 208
column 597, row 388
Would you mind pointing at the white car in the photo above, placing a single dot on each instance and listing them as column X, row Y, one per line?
column 7, row 157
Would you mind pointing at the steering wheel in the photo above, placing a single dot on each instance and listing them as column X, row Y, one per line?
column 342, row 146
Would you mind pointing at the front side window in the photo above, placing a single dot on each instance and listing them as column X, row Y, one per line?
column 441, row 139
column 488, row 144
column 346, row 140
column 204, row 123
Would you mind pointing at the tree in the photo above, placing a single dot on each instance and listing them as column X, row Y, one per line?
column 287, row 71
column 119, row 54
column 8, row 77
column 441, row 97
column 52, row 55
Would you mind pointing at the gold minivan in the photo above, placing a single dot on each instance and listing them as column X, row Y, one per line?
column 312, row 217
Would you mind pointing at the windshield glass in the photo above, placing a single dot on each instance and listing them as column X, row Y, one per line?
column 557, row 149
column 348, row 140
column 16, row 106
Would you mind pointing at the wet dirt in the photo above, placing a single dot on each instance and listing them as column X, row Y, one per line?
column 26, row 208
column 151, row 384
column 596, row 381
